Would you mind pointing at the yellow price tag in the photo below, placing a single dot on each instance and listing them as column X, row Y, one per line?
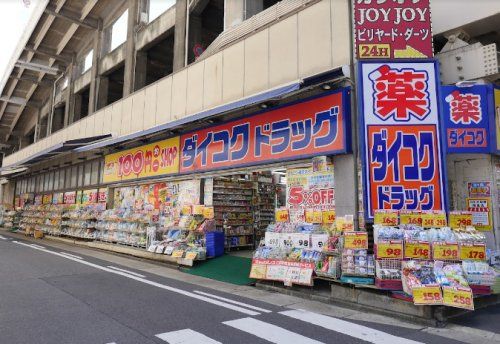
column 458, row 297
column 282, row 215
column 208, row 212
column 198, row 209
column 389, row 250
column 186, row 210
column 444, row 251
column 472, row 252
column 191, row 255
column 417, row 250
column 410, row 218
column 356, row 240
column 427, row 295
column 431, row 219
column 313, row 216
column 178, row 253
column 329, row 216
column 344, row 224
column 460, row 219
column 386, row 218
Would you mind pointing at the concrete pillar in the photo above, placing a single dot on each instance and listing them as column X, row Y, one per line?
column 94, row 72
column 180, row 35
column 77, row 108
column 103, row 90
column 236, row 11
column 37, row 125
column 8, row 191
column 141, row 62
column 23, row 142
column 69, row 114
column 195, row 35
column 133, row 20
column 253, row 7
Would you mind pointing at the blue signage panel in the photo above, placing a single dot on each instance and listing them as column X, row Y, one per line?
column 466, row 116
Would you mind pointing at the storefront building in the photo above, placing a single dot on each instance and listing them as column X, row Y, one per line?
column 279, row 139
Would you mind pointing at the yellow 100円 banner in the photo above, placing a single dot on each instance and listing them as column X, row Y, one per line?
column 155, row 159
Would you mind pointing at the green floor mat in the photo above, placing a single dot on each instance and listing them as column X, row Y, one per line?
column 230, row 269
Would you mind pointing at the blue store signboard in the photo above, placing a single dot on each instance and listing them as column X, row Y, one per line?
column 468, row 115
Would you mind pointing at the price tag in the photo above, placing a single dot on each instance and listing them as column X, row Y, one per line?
column 186, row 210
column 427, row 295
column 282, row 215
column 417, row 250
column 433, row 219
column 386, row 218
column 198, row 209
column 313, row 216
column 208, row 212
column 329, row 216
column 191, row 255
column 258, row 271
column 286, row 240
column 356, row 240
column 458, row 297
column 178, row 253
column 444, row 251
column 272, row 239
column 344, row 223
column 472, row 252
column 318, row 241
column 301, row 240
column 460, row 219
column 389, row 249
column 410, row 218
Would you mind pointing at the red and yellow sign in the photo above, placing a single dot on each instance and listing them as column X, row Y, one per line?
column 313, row 216
column 389, row 250
column 433, row 219
column 472, row 252
column 47, row 199
column 328, row 216
column 460, row 219
column 309, row 128
column 155, row 159
column 458, row 297
column 427, row 295
column 386, row 218
column 444, row 251
column 481, row 210
column 410, row 218
column 208, row 212
column 356, row 240
column 282, row 215
column 417, row 250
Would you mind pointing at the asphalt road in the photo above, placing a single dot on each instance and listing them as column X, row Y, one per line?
column 49, row 296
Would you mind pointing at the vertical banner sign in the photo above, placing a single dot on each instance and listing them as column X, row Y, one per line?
column 496, row 96
column 301, row 130
column 402, row 158
column 392, row 29
column 467, row 118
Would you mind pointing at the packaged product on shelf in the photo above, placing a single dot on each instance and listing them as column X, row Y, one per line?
column 450, row 275
column 388, row 274
column 479, row 273
column 416, row 274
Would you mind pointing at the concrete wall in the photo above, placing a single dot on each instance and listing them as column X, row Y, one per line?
column 313, row 40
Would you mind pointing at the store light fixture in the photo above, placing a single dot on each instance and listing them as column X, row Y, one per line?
column 263, row 106
column 326, row 87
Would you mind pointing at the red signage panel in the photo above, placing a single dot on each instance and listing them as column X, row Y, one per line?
column 309, row 128
column 393, row 29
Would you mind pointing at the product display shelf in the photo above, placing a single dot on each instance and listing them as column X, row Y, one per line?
column 45, row 218
column 80, row 223
column 12, row 219
column 233, row 208
column 115, row 227
column 265, row 208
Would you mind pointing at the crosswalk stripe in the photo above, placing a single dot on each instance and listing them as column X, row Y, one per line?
column 269, row 332
column 233, row 302
column 186, row 336
column 348, row 328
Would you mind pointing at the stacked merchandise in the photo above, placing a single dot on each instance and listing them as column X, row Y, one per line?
column 331, row 265
column 266, row 195
column 182, row 238
column 357, row 265
column 417, row 274
column 81, row 222
column 123, row 226
column 45, row 218
column 233, row 208
column 389, row 253
column 11, row 219
column 480, row 276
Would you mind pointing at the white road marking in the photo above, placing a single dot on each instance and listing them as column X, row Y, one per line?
column 233, row 302
column 186, row 336
column 354, row 330
column 269, row 332
column 145, row 281
column 2, row 237
column 37, row 246
column 71, row 255
column 126, row 271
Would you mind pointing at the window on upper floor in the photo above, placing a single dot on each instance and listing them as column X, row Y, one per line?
column 87, row 62
column 119, row 31
column 158, row 7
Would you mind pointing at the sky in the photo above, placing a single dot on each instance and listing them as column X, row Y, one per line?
column 14, row 16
